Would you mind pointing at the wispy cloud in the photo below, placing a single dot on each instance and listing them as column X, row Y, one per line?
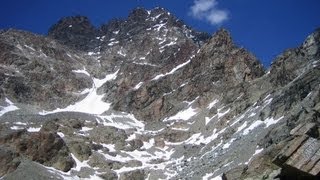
column 208, row 10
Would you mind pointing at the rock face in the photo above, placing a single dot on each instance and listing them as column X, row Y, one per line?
column 44, row 147
column 76, row 32
column 300, row 158
column 9, row 161
column 149, row 97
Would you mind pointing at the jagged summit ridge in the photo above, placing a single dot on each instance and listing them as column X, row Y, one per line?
column 222, row 37
column 77, row 31
column 311, row 44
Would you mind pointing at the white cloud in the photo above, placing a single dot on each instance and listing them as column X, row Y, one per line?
column 207, row 10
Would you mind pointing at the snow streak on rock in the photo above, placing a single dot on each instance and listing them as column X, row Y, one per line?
column 8, row 108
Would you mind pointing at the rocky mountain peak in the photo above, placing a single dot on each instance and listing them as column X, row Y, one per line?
column 312, row 43
column 139, row 14
column 222, row 37
column 228, row 62
column 74, row 24
column 74, row 31
column 157, row 14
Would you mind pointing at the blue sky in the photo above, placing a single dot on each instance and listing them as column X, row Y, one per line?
column 266, row 28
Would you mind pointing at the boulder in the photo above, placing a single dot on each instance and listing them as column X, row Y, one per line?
column 137, row 175
column 80, row 149
column 44, row 147
column 300, row 157
column 9, row 160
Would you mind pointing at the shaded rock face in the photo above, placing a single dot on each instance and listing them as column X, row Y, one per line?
column 37, row 69
column 149, row 97
column 75, row 31
column 44, row 147
column 299, row 158
column 283, row 69
column 81, row 150
column 9, row 160
column 133, row 175
column 78, row 32
column 224, row 61
column 218, row 61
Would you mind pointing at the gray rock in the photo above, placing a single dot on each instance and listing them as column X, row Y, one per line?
column 80, row 149
column 43, row 147
column 109, row 175
column 138, row 174
column 9, row 160
column 32, row 170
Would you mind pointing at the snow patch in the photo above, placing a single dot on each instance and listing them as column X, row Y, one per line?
column 166, row 45
column 10, row 107
column 207, row 176
column 183, row 115
column 91, row 53
column 138, row 85
column 180, row 129
column 32, row 129
column 244, row 125
column 145, row 64
column 172, row 71
column 16, row 128
column 92, row 103
column 221, row 114
column 29, row 47
column 99, row 82
column 20, row 123
column 85, row 91
column 159, row 26
column 83, row 71
column 111, row 147
column 131, row 137
column 252, row 114
column 257, row 151
column 267, row 122
column 252, row 126
column 113, row 43
column 182, row 85
column 228, row 144
column 270, row 121
column 217, row 178
column 122, row 121
column 85, row 129
column 207, row 119
column 212, row 104
column 60, row 134
column 122, row 53
column 198, row 139
column 79, row 164
column 148, row 145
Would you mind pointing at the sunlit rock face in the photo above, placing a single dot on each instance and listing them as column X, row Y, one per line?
column 148, row 97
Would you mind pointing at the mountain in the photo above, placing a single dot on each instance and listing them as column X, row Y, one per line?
column 148, row 97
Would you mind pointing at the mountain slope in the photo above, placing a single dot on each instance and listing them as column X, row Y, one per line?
column 147, row 98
